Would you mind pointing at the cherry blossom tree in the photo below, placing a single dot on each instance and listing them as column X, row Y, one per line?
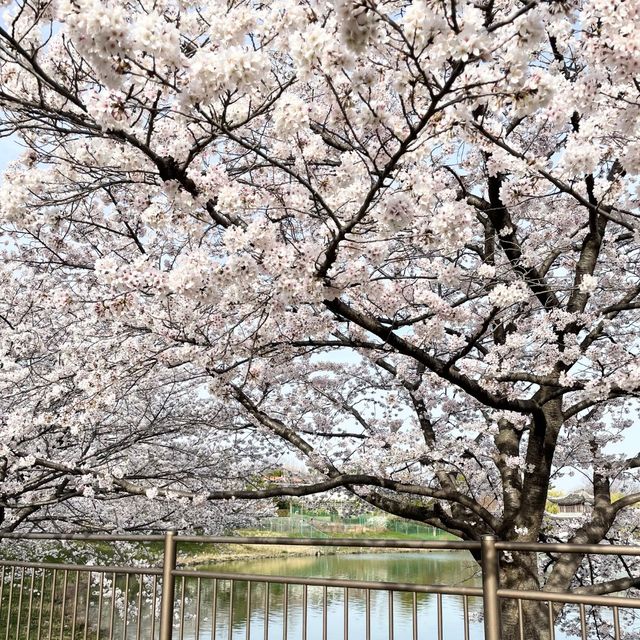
column 66, row 448
column 397, row 241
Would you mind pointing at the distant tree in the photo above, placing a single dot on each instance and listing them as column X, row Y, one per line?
column 552, row 507
column 397, row 240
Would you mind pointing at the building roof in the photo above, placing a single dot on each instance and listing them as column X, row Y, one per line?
column 571, row 499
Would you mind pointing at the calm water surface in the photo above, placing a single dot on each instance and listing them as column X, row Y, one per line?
column 451, row 568
column 37, row 606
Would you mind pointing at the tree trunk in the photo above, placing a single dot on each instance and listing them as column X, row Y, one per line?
column 535, row 621
column 522, row 574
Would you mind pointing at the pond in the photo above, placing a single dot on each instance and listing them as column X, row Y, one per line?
column 60, row 604
column 451, row 568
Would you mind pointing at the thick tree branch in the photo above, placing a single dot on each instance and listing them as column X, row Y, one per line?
column 449, row 373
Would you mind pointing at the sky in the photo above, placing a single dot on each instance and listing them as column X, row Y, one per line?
column 9, row 149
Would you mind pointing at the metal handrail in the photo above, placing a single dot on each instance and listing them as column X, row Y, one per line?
column 566, row 597
column 445, row 545
column 59, row 566
column 488, row 550
column 568, row 547
column 382, row 543
column 82, row 537
column 331, row 582
column 276, row 540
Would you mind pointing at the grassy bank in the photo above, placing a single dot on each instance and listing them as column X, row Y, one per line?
column 196, row 554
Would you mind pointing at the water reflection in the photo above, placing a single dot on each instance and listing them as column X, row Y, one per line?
column 56, row 604
column 373, row 614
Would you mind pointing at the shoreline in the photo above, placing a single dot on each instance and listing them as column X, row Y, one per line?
column 248, row 552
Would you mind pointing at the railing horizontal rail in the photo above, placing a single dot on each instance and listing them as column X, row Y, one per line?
column 570, row 598
column 601, row 549
column 562, row 547
column 328, row 582
column 81, row 537
column 315, row 542
column 147, row 571
column 336, row 542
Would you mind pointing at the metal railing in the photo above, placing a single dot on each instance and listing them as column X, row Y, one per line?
column 55, row 600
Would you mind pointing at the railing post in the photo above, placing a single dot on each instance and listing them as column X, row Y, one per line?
column 490, row 582
column 168, row 587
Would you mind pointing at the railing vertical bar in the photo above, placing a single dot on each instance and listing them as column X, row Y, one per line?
column 65, row 583
column 231, row 590
column 249, row 585
column 583, row 623
column 2, row 591
column 154, row 604
column 520, row 619
column 390, row 604
column 139, row 605
column 198, row 589
column 8, row 627
column 125, row 622
column 30, row 605
column 305, row 601
column 367, row 615
column 616, row 623
column 183, row 586
column 74, row 613
column 552, row 629
column 168, row 586
column 490, row 582
column 465, row 608
column 100, row 598
column 20, row 595
column 439, row 601
column 41, row 608
column 414, row 616
column 112, row 612
column 214, row 609
column 53, row 598
column 346, row 613
column 325, row 599
column 285, row 612
column 266, row 611
column 86, row 607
